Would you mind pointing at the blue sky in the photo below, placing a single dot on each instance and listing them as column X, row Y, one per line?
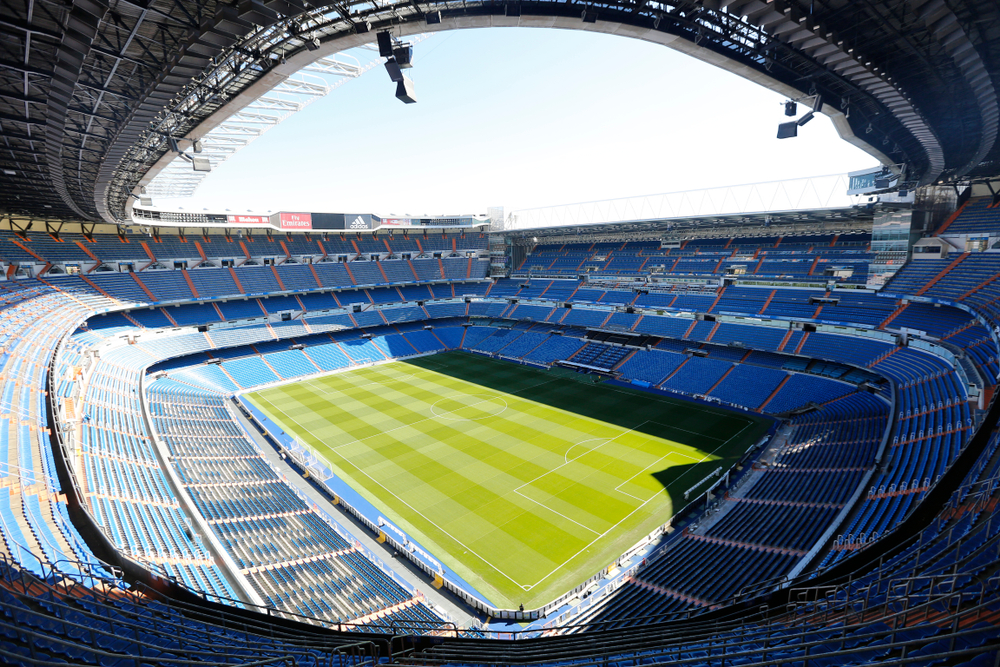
column 523, row 118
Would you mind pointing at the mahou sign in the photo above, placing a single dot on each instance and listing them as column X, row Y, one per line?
column 248, row 219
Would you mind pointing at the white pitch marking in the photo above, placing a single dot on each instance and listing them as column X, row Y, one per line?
column 560, row 566
column 566, row 455
column 541, row 504
column 642, row 500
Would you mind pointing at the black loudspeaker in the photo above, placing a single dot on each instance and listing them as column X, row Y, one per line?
column 403, row 55
column 791, row 108
column 393, row 69
column 405, row 91
column 433, row 18
column 385, row 44
column 788, row 130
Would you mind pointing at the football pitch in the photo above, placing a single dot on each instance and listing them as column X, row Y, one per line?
column 523, row 481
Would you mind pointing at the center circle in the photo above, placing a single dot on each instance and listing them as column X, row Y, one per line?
column 470, row 407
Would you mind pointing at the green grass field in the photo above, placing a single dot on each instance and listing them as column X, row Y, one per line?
column 523, row 481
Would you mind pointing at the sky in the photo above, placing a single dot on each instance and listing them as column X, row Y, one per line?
column 523, row 118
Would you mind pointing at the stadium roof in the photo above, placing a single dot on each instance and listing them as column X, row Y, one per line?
column 839, row 220
column 92, row 91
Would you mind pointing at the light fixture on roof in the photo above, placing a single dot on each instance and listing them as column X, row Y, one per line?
column 197, row 163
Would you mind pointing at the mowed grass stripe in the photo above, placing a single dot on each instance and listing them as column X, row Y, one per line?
column 411, row 473
column 516, row 500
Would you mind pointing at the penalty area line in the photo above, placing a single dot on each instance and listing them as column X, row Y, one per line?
column 620, row 521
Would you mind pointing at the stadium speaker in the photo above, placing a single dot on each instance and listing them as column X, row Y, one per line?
column 433, row 18
column 512, row 9
column 788, row 130
column 791, row 108
column 393, row 69
column 201, row 164
column 403, row 55
column 312, row 44
column 405, row 92
column 805, row 119
column 384, row 44
column 589, row 16
column 145, row 201
column 197, row 146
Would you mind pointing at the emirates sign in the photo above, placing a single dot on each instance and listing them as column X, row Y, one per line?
column 293, row 221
